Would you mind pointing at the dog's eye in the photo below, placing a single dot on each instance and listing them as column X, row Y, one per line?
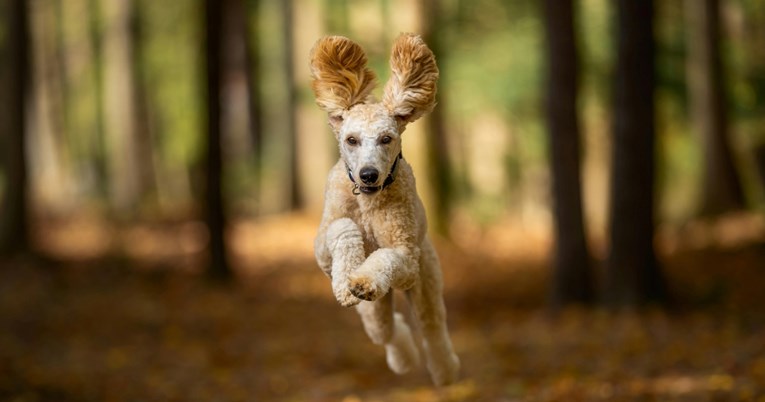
column 351, row 141
column 386, row 140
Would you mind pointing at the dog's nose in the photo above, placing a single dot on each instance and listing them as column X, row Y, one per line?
column 368, row 175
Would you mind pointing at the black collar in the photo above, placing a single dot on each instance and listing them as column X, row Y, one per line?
column 358, row 189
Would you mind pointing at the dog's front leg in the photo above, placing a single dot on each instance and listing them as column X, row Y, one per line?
column 385, row 268
column 345, row 245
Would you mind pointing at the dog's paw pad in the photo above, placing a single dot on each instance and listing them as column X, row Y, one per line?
column 365, row 289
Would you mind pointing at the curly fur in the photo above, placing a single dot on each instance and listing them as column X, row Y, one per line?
column 340, row 73
column 411, row 90
column 372, row 243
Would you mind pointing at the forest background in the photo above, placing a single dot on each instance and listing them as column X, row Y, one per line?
column 591, row 153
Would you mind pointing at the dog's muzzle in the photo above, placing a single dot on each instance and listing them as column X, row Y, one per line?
column 359, row 189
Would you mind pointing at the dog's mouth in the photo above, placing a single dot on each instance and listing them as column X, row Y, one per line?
column 369, row 189
column 359, row 188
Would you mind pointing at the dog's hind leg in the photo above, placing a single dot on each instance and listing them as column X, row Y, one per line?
column 388, row 328
column 426, row 299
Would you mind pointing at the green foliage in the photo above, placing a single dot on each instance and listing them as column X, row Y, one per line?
column 493, row 60
column 173, row 60
column 596, row 45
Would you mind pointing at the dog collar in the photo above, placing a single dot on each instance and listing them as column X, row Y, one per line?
column 358, row 189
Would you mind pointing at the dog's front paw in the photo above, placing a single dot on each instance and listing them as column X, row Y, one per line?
column 343, row 294
column 365, row 288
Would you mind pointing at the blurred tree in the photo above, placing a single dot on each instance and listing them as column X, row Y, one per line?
column 50, row 100
column 436, row 144
column 14, row 81
column 241, row 118
column 121, row 131
column 215, row 216
column 721, row 186
column 250, row 36
column 632, row 272
column 753, row 102
column 52, row 65
column 572, row 281
column 759, row 163
column 143, row 130
column 295, row 196
column 98, row 160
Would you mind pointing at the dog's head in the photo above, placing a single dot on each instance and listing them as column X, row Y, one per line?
column 369, row 132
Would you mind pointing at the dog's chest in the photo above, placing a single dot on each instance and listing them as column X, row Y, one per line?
column 368, row 232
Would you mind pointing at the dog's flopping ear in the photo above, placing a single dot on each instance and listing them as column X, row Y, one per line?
column 341, row 78
column 411, row 90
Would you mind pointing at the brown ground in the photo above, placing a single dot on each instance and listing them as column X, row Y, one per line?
column 146, row 327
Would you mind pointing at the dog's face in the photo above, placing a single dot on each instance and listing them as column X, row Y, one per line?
column 370, row 141
column 369, row 132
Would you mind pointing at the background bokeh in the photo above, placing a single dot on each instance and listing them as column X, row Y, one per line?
column 107, row 300
column 124, row 80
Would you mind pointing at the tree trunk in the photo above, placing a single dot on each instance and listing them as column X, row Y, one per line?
column 241, row 120
column 753, row 42
column 214, row 204
column 436, row 144
column 119, row 108
column 572, row 282
column 252, row 74
column 633, row 276
column 143, row 134
column 759, row 163
column 721, row 185
column 295, row 199
column 47, row 103
column 14, row 225
column 99, row 154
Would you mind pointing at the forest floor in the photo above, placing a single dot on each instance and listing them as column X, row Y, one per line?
column 84, row 325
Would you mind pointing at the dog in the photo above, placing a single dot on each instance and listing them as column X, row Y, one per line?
column 372, row 236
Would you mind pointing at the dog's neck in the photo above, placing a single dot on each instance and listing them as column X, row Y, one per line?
column 359, row 189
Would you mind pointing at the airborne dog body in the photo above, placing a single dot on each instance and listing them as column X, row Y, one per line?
column 372, row 237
